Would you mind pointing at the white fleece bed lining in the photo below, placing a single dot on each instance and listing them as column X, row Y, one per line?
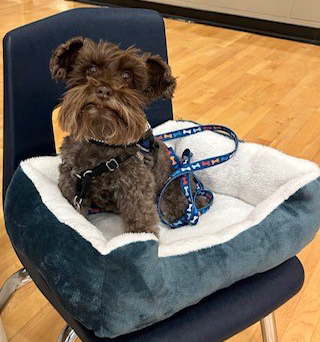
column 247, row 189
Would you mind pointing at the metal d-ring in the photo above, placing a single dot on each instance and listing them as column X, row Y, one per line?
column 77, row 202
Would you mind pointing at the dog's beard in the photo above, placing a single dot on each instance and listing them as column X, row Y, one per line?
column 117, row 122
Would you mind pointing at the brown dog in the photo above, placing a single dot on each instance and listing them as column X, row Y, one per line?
column 103, row 111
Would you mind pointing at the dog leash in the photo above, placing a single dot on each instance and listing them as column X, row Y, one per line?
column 184, row 170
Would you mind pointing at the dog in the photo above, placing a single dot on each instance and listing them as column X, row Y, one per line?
column 102, row 110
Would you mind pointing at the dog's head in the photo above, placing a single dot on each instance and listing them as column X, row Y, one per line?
column 108, row 89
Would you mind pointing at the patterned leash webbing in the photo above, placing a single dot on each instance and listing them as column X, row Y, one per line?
column 183, row 169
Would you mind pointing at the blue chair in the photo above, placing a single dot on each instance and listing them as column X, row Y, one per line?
column 30, row 95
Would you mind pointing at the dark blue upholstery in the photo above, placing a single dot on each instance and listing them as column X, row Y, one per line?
column 29, row 93
column 30, row 96
column 215, row 318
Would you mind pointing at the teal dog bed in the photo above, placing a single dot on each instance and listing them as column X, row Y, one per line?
column 266, row 209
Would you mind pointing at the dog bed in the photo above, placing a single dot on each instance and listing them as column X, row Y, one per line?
column 266, row 209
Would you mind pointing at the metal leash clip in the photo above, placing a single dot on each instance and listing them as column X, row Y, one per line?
column 77, row 202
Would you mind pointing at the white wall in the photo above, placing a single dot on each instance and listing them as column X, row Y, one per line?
column 300, row 12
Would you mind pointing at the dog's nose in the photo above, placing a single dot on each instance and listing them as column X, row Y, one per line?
column 104, row 92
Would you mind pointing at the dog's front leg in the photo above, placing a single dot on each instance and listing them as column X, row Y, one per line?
column 136, row 203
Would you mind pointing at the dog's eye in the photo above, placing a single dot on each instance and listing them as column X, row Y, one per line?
column 91, row 70
column 127, row 76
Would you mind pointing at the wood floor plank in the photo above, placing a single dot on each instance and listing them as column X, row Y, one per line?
column 22, row 308
column 44, row 326
column 304, row 322
column 316, row 334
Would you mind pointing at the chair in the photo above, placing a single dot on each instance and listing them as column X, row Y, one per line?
column 30, row 95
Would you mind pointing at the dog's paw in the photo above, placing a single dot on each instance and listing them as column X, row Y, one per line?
column 143, row 229
column 154, row 230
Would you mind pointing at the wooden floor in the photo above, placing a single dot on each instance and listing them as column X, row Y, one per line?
column 266, row 89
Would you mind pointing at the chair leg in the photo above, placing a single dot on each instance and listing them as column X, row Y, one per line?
column 16, row 281
column 67, row 335
column 269, row 329
column 3, row 336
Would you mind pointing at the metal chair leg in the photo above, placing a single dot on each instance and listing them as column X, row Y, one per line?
column 67, row 335
column 15, row 282
column 3, row 336
column 269, row 329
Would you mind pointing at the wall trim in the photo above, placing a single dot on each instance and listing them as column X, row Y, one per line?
column 294, row 32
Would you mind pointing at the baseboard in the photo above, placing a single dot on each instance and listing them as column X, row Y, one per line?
column 299, row 33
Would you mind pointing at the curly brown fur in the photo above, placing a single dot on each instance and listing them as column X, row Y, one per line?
column 108, row 90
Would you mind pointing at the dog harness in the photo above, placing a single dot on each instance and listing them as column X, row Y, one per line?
column 183, row 169
column 84, row 179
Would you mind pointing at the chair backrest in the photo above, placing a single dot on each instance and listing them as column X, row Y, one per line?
column 29, row 93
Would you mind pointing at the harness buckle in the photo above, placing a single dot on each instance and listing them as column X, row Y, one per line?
column 115, row 164
column 77, row 202
column 83, row 175
column 86, row 173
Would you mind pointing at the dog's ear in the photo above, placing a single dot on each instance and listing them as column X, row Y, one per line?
column 160, row 80
column 64, row 57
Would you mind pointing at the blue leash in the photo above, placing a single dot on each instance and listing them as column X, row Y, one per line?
column 183, row 169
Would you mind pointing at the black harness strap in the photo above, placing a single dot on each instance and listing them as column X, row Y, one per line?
column 85, row 178
column 147, row 144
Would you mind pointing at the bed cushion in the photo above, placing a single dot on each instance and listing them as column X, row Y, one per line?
column 266, row 209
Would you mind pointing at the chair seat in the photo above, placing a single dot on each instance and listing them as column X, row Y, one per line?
column 215, row 318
